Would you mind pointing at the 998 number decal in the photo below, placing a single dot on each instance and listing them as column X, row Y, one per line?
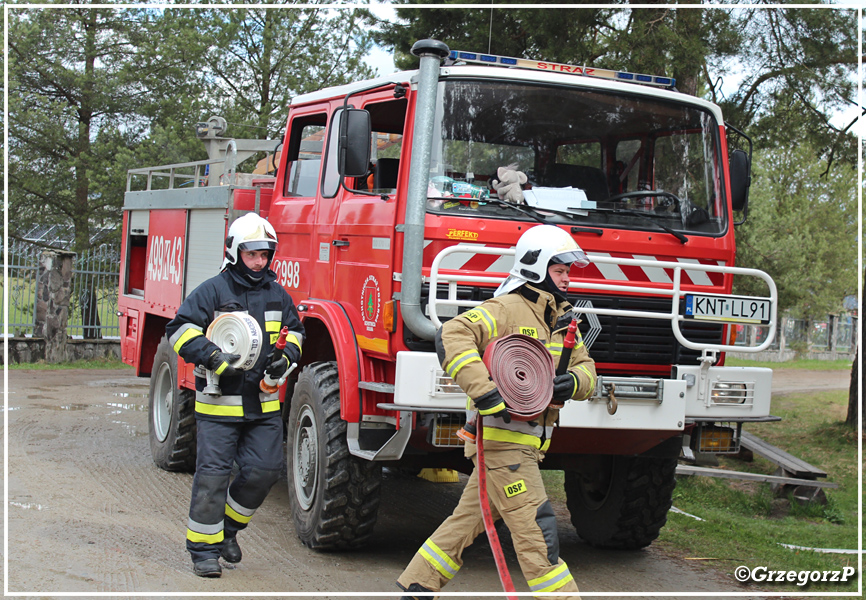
column 288, row 273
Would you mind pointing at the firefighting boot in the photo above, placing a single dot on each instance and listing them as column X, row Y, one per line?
column 208, row 568
column 231, row 552
column 413, row 590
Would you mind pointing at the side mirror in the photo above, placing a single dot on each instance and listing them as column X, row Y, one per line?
column 355, row 135
column 741, row 179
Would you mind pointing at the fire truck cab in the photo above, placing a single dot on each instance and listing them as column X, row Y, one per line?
column 388, row 225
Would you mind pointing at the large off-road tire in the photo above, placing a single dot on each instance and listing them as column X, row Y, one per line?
column 621, row 502
column 334, row 496
column 171, row 414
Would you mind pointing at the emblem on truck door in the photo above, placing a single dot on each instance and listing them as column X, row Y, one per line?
column 370, row 301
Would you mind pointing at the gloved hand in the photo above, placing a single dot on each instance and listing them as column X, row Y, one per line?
column 293, row 353
column 221, row 363
column 277, row 368
column 564, row 387
column 492, row 404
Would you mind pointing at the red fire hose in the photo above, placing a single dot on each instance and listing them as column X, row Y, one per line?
column 523, row 370
column 492, row 536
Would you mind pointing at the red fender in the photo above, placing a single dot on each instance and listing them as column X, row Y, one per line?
column 334, row 319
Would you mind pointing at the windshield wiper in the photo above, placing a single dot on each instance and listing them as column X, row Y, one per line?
column 640, row 215
column 529, row 211
column 634, row 213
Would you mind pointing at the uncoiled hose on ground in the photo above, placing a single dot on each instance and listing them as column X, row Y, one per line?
column 523, row 371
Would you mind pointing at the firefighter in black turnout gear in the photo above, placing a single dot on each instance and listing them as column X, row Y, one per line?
column 243, row 424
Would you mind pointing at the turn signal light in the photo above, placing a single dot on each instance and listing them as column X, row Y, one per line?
column 715, row 440
column 388, row 315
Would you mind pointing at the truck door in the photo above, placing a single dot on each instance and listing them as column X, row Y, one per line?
column 293, row 211
column 364, row 230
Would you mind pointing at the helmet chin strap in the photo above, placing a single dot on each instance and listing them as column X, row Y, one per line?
column 549, row 286
column 249, row 274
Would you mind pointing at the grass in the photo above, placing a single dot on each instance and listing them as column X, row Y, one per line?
column 806, row 364
column 744, row 523
column 94, row 363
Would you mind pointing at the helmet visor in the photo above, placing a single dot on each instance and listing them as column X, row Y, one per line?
column 577, row 257
column 258, row 245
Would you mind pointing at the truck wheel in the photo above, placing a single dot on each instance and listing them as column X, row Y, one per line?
column 171, row 422
column 334, row 496
column 621, row 502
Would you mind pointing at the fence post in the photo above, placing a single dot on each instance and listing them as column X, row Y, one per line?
column 53, row 292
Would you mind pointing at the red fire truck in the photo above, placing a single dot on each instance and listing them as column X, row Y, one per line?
column 388, row 226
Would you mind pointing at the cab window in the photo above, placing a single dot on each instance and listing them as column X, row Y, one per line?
column 304, row 162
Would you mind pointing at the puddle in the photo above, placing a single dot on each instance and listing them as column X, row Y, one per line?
column 64, row 407
column 121, row 383
column 27, row 505
column 11, row 408
column 128, row 395
column 122, row 406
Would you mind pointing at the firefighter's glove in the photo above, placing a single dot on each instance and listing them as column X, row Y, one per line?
column 492, row 404
column 293, row 353
column 221, row 363
column 564, row 387
column 277, row 368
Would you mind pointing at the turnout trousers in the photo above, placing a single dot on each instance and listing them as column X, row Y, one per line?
column 220, row 507
column 517, row 495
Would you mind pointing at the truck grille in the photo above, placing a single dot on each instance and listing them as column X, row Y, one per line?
column 625, row 340
column 644, row 341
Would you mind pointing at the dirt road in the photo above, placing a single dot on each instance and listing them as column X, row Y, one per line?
column 89, row 512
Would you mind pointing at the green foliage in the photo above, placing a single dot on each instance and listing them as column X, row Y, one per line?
column 75, row 98
column 259, row 58
column 801, row 229
column 97, row 91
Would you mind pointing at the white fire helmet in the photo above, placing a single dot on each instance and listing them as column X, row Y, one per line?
column 249, row 232
column 536, row 249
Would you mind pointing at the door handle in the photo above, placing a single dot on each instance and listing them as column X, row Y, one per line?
column 340, row 243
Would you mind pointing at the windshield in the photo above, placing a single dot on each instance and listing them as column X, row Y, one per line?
column 589, row 157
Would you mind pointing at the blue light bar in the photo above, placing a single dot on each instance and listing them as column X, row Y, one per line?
column 493, row 59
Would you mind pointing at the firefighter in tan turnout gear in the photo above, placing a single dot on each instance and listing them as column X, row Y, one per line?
column 530, row 301
column 239, row 423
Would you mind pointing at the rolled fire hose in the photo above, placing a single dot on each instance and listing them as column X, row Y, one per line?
column 523, row 371
column 234, row 333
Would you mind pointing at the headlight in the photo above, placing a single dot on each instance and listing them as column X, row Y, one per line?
column 726, row 392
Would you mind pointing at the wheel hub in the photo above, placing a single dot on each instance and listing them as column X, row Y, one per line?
column 305, row 458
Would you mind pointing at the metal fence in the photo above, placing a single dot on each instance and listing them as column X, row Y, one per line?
column 20, row 287
column 826, row 333
column 93, row 304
